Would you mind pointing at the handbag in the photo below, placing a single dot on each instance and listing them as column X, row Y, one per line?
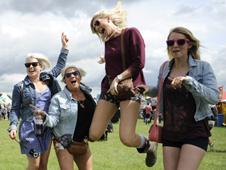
column 125, row 87
column 155, row 131
column 78, row 148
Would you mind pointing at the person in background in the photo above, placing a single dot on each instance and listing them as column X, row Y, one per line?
column 147, row 111
column 108, row 25
column 188, row 87
column 70, row 115
column 211, row 122
column 35, row 141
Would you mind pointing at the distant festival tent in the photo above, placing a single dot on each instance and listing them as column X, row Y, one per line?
column 221, row 106
column 5, row 99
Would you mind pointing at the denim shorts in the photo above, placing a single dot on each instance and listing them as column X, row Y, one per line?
column 115, row 100
column 201, row 142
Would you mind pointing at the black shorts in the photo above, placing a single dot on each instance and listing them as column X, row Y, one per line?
column 115, row 100
column 201, row 142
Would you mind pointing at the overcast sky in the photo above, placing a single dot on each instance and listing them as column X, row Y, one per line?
column 35, row 26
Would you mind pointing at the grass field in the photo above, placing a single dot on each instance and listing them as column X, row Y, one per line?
column 111, row 154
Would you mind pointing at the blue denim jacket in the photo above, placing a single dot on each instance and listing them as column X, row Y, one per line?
column 63, row 112
column 24, row 94
column 201, row 82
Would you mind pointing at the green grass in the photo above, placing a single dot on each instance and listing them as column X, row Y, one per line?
column 111, row 154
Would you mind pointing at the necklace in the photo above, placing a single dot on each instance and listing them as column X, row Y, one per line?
column 81, row 103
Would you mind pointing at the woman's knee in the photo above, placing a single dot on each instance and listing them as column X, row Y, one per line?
column 94, row 135
column 84, row 161
column 97, row 130
column 127, row 140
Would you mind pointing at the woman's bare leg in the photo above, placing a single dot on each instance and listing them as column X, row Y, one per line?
column 84, row 161
column 128, row 120
column 170, row 157
column 45, row 157
column 102, row 115
column 190, row 157
column 65, row 159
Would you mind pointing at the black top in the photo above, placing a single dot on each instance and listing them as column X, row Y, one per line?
column 86, row 110
column 179, row 110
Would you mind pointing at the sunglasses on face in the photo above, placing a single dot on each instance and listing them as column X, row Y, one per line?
column 75, row 73
column 96, row 23
column 34, row 64
column 179, row 42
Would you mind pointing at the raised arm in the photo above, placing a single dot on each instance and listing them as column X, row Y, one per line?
column 61, row 62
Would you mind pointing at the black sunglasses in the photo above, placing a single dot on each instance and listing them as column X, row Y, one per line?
column 96, row 23
column 34, row 64
column 179, row 42
column 75, row 73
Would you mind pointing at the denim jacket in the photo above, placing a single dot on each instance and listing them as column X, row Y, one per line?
column 63, row 112
column 200, row 82
column 24, row 94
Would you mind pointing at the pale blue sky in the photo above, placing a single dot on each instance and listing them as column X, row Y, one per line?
column 35, row 26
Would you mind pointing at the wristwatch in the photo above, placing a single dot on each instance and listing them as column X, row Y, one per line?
column 119, row 77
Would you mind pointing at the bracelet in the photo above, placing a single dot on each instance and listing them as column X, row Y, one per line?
column 119, row 77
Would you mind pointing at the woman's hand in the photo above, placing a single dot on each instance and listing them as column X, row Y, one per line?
column 101, row 60
column 38, row 113
column 64, row 40
column 143, row 89
column 113, row 88
column 12, row 134
column 177, row 82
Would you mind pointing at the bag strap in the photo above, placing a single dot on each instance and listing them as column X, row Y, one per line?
column 122, row 54
column 159, row 93
column 123, row 50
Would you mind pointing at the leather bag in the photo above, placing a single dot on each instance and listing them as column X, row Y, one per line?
column 125, row 89
column 155, row 131
column 78, row 148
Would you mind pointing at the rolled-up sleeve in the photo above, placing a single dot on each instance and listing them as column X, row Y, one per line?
column 207, row 90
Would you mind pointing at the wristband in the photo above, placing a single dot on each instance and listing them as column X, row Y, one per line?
column 119, row 77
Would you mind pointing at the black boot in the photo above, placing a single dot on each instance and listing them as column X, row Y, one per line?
column 151, row 150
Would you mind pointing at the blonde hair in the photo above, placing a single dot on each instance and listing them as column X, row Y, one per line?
column 42, row 59
column 81, row 71
column 194, row 50
column 117, row 15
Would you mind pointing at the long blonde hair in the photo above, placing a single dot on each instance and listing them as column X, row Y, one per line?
column 194, row 50
column 117, row 15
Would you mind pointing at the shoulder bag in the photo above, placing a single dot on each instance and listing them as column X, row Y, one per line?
column 155, row 131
